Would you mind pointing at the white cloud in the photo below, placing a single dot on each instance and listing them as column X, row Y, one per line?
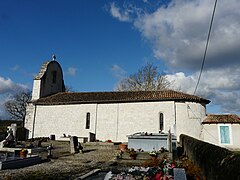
column 7, row 89
column 221, row 86
column 8, row 86
column 118, row 72
column 179, row 81
column 177, row 33
column 71, row 71
column 228, row 101
column 117, row 13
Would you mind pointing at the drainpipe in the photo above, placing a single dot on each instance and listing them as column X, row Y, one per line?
column 175, row 118
column 96, row 121
column 117, row 120
column 34, row 119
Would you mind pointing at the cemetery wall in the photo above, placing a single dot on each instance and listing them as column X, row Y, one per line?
column 216, row 162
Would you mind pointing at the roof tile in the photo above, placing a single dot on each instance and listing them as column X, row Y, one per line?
column 127, row 96
column 223, row 118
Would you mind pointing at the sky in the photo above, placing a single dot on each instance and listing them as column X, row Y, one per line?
column 100, row 42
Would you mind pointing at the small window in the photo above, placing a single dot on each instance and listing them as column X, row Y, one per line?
column 54, row 77
column 161, row 125
column 224, row 134
column 88, row 120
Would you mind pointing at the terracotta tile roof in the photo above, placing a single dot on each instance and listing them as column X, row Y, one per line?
column 225, row 118
column 108, row 97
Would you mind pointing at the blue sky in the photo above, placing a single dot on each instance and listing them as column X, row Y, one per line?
column 82, row 34
column 99, row 42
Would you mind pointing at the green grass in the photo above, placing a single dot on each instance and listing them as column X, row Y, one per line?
column 236, row 152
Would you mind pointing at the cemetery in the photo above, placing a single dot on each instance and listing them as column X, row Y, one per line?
column 45, row 158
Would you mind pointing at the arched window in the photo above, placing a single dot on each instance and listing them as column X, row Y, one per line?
column 54, row 77
column 161, row 121
column 88, row 120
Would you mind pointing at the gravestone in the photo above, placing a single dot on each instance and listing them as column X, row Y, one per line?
column 179, row 174
column 14, row 131
column 10, row 140
column 74, row 144
column 169, row 141
column 52, row 137
column 92, row 137
column 170, row 149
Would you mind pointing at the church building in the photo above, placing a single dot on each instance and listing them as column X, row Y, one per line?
column 108, row 115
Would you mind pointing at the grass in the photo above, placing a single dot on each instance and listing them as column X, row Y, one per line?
column 236, row 152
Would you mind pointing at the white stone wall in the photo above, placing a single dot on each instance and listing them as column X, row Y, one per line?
column 29, row 119
column 235, row 136
column 36, row 89
column 64, row 119
column 189, row 116
column 211, row 135
column 114, row 121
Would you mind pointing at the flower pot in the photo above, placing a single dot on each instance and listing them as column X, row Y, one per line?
column 123, row 147
column 23, row 155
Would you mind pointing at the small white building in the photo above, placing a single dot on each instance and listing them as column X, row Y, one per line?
column 222, row 130
column 108, row 115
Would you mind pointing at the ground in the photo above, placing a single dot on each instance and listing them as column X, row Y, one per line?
column 65, row 165
column 97, row 155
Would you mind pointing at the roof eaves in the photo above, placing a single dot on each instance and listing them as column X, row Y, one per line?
column 216, row 122
column 117, row 101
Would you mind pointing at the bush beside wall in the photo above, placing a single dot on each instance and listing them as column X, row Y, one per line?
column 216, row 162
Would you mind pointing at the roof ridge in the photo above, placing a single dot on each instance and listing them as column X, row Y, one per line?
column 221, row 118
column 222, row 114
column 119, row 96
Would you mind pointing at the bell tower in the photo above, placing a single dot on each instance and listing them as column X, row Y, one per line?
column 49, row 80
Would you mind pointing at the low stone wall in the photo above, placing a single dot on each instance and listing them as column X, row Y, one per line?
column 216, row 162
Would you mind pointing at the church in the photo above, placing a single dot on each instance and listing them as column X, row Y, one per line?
column 108, row 115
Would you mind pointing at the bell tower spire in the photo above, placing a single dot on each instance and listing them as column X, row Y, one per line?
column 54, row 57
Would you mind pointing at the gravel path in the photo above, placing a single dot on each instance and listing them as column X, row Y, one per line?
column 65, row 165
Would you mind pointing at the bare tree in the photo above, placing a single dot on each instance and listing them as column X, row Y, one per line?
column 147, row 78
column 17, row 106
